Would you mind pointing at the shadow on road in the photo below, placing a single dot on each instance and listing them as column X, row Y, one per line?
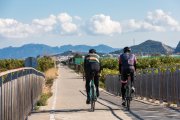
column 69, row 110
column 110, row 109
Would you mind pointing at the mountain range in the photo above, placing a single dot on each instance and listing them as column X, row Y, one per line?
column 150, row 47
column 33, row 50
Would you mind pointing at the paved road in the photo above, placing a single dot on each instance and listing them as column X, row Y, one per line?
column 68, row 103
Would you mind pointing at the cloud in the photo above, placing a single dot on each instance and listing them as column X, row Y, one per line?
column 142, row 26
column 157, row 21
column 44, row 25
column 159, row 17
column 11, row 28
column 100, row 24
column 67, row 25
column 103, row 25
column 64, row 17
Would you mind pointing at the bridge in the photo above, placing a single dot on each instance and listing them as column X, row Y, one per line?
column 19, row 91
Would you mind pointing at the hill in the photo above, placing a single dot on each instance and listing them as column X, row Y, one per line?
column 149, row 47
column 177, row 50
column 33, row 50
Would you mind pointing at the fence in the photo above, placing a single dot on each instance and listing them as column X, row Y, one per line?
column 152, row 84
column 19, row 91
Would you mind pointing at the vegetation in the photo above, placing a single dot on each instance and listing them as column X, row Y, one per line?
column 8, row 64
column 110, row 65
column 45, row 63
column 50, row 75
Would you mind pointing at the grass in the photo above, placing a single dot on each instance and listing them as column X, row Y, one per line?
column 50, row 75
column 43, row 99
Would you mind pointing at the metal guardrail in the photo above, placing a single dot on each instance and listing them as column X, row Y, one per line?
column 162, row 86
column 19, row 91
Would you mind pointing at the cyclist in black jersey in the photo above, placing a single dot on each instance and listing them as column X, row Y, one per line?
column 127, row 67
column 91, row 66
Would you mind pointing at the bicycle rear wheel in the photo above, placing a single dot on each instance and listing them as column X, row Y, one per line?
column 92, row 106
column 92, row 100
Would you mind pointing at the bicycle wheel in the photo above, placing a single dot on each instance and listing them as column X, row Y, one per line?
column 92, row 100
column 128, row 104
column 128, row 97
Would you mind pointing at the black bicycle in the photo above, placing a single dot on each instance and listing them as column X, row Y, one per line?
column 93, row 96
column 128, row 93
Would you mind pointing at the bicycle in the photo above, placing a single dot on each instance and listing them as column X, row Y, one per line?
column 128, row 93
column 93, row 96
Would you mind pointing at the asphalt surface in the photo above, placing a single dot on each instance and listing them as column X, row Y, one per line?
column 68, row 103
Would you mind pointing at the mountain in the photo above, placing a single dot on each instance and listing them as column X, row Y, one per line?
column 177, row 50
column 149, row 47
column 33, row 50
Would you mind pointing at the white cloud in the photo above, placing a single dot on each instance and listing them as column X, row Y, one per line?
column 64, row 24
column 157, row 21
column 11, row 28
column 103, row 25
column 44, row 25
column 67, row 25
column 159, row 17
column 64, row 17
column 45, row 22
column 134, row 25
column 77, row 18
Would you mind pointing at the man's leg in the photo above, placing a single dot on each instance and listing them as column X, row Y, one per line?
column 96, row 82
column 123, row 90
column 88, row 88
column 123, row 84
column 132, row 82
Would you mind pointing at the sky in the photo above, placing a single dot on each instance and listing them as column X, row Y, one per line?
column 116, row 23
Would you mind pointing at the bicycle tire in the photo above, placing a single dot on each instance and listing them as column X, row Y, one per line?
column 92, row 100
column 128, row 104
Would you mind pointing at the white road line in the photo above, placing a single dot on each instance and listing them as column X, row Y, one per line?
column 54, row 101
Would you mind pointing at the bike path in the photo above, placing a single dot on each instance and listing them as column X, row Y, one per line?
column 143, row 110
column 68, row 102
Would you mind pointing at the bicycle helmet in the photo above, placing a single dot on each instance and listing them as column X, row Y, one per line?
column 127, row 49
column 92, row 51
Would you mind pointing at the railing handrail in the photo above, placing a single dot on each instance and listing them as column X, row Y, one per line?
column 19, row 91
column 18, row 69
column 162, row 86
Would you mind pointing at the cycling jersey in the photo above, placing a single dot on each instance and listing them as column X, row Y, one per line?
column 127, row 61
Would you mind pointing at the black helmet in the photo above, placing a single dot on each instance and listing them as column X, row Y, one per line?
column 127, row 49
column 92, row 51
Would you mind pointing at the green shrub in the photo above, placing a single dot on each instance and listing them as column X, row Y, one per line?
column 43, row 99
column 8, row 64
column 45, row 63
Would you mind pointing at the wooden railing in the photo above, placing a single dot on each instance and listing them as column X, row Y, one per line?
column 151, row 84
column 19, row 91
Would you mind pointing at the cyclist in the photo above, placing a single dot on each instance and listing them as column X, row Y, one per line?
column 91, row 65
column 127, row 66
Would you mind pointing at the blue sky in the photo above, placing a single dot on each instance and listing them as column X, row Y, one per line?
column 115, row 23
